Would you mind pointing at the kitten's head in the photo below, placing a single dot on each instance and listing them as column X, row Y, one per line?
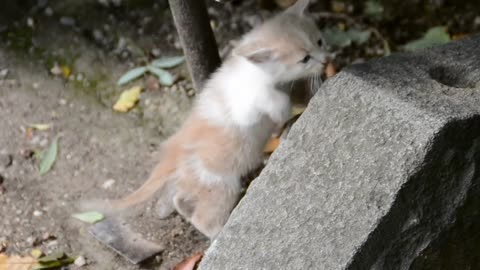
column 288, row 46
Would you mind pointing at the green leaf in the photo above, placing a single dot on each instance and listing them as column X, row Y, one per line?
column 90, row 217
column 48, row 157
column 341, row 39
column 53, row 264
column 54, row 256
column 357, row 36
column 373, row 8
column 164, row 77
column 336, row 38
column 168, row 62
column 131, row 75
column 434, row 36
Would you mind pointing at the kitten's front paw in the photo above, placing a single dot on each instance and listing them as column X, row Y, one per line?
column 282, row 110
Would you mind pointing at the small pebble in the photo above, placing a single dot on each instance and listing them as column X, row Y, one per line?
column 67, row 21
column 48, row 11
column 30, row 240
column 80, row 261
column 30, row 22
column 156, row 52
column 56, row 70
column 476, row 21
column 98, row 36
column 37, row 213
column 108, row 184
column 52, row 243
column 47, row 236
column 190, row 92
column 3, row 73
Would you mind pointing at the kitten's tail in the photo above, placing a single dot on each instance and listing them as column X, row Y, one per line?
column 157, row 180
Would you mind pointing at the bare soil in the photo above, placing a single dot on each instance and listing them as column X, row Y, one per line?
column 98, row 43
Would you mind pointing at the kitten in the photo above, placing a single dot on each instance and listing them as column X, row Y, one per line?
column 233, row 117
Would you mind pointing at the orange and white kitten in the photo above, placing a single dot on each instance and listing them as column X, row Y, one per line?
column 233, row 117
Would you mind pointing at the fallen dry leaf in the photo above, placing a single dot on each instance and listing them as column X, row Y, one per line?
column 459, row 36
column 298, row 109
column 330, row 70
column 16, row 262
column 29, row 133
column 189, row 263
column 271, row 145
column 40, row 127
column 66, row 71
column 128, row 99
column 36, row 253
column 338, row 6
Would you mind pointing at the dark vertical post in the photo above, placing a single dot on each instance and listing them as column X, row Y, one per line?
column 197, row 39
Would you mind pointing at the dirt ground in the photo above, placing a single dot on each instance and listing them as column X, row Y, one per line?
column 96, row 145
column 98, row 42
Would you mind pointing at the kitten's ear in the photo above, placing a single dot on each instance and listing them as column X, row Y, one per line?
column 300, row 7
column 255, row 53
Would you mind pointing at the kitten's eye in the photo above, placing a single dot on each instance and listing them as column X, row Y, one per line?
column 320, row 42
column 305, row 59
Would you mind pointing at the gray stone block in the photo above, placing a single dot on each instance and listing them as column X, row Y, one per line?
column 382, row 171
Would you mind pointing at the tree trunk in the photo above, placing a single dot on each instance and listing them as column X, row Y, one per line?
column 197, row 39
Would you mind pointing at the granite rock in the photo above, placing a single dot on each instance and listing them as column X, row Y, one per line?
column 382, row 171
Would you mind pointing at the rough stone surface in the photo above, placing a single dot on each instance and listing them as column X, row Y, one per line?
column 380, row 172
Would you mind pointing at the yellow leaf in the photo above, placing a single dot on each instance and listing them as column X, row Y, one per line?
column 41, row 127
column 66, row 71
column 128, row 99
column 36, row 253
column 16, row 262
column 298, row 109
column 338, row 6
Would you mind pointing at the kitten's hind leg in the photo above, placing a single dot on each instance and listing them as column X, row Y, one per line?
column 165, row 205
column 212, row 211
column 185, row 204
